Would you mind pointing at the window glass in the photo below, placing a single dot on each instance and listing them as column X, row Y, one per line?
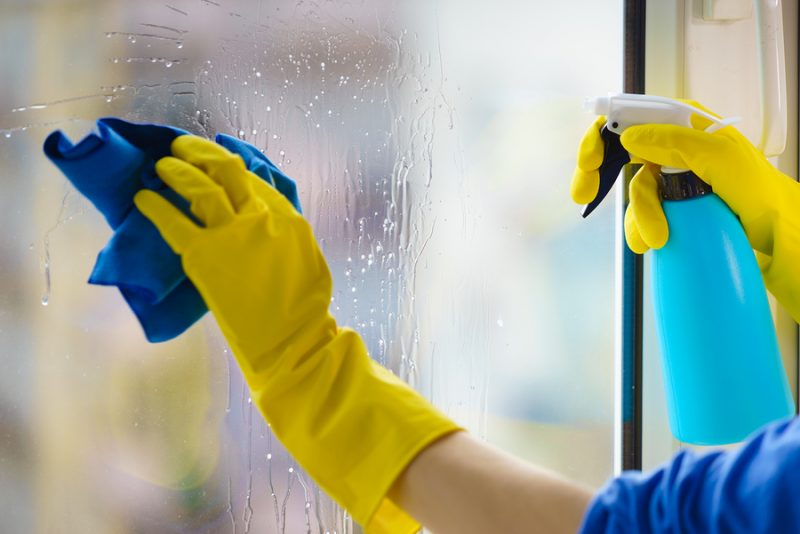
column 433, row 145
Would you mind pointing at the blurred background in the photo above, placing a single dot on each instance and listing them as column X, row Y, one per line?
column 433, row 144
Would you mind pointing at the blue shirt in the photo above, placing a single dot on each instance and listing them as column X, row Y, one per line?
column 753, row 489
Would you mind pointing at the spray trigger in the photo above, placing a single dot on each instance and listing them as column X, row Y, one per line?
column 625, row 110
column 614, row 158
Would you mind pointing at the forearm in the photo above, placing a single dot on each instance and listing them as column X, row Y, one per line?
column 461, row 485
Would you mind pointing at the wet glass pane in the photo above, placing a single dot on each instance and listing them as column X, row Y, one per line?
column 432, row 143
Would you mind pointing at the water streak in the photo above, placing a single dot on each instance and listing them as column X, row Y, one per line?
column 307, row 505
column 230, row 505
column 163, row 60
column 175, row 9
column 43, row 105
column 168, row 28
column 133, row 36
column 46, row 262
column 290, row 483
column 247, row 514
column 271, row 483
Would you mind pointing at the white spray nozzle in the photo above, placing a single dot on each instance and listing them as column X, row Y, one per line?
column 599, row 105
column 624, row 109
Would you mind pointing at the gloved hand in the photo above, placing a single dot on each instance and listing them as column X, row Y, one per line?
column 651, row 230
column 766, row 200
column 350, row 423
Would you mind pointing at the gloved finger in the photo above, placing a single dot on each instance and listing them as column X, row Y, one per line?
column 207, row 199
column 272, row 197
column 585, row 185
column 677, row 146
column 586, row 179
column 645, row 208
column 632, row 235
column 590, row 151
column 224, row 167
column 176, row 229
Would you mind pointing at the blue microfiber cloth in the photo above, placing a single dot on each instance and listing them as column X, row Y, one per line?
column 108, row 167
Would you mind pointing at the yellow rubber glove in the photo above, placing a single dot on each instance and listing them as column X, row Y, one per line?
column 766, row 200
column 350, row 423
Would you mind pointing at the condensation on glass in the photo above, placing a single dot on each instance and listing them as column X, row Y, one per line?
column 432, row 143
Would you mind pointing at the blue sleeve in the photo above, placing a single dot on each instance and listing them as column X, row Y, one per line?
column 753, row 489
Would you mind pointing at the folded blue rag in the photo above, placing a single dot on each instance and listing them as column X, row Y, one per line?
column 108, row 168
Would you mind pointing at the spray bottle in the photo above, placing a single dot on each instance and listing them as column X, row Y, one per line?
column 723, row 374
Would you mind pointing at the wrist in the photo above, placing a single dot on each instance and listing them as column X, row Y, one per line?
column 351, row 424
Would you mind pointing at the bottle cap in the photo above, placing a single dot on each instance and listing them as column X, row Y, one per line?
column 682, row 186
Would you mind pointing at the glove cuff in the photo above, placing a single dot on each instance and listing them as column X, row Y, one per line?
column 352, row 425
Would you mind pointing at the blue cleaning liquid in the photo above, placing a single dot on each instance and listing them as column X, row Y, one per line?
column 723, row 373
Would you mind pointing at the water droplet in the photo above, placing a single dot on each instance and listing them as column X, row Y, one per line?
column 258, row 74
column 269, row 108
column 45, row 300
column 109, row 98
column 179, row 44
column 500, row 322
column 291, row 469
column 168, row 64
column 8, row 135
column 269, row 456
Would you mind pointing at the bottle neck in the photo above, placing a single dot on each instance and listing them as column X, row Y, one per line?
column 682, row 186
